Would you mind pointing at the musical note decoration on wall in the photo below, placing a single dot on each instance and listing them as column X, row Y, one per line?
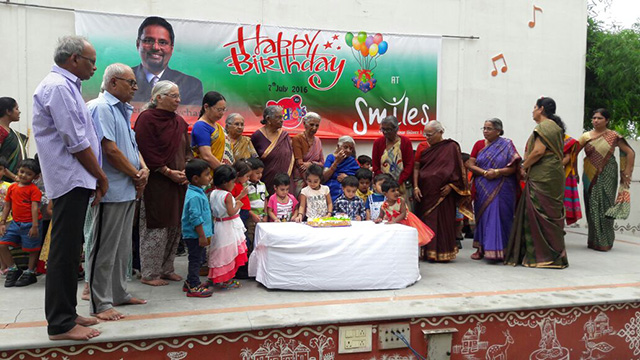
column 504, row 68
column 532, row 23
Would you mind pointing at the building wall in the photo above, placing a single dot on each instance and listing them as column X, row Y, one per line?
column 547, row 59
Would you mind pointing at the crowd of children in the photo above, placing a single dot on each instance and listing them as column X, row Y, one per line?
column 218, row 227
column 225, row 221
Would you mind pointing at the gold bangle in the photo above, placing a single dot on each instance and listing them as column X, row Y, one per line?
column 484, row 173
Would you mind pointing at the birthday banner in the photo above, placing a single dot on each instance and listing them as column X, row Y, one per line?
column 352, row 79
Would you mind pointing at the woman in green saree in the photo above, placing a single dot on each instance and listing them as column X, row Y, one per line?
column 537, row 236
column 600, row 180
column 12, row 143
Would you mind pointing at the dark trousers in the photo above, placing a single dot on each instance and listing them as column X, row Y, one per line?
column 67, row 237
column 196, row 254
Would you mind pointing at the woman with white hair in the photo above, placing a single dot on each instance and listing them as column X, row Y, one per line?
column 163, row 141
column 240, row 145
column 440, row 180
column 307, row 149
column 340, row 164
column 273, row 145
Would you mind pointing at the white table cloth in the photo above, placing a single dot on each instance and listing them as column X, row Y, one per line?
column 364, row 256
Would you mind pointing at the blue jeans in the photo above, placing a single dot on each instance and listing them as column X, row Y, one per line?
column 196, row 256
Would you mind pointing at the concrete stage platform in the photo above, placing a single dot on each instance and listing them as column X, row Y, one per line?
column 590, row 310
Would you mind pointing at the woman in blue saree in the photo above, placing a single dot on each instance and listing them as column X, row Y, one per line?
column 493, row 162
column 340, row 164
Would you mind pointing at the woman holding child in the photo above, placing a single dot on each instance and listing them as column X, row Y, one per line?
column 163, row 141
column 441, row 185
column 208, row 138
column 340, row 164
column 273, row 145
column 307, row 149
column 493, row 162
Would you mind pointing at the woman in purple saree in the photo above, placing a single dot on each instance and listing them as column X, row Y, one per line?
column 493, row 162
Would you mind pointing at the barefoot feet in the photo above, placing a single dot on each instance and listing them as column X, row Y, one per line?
column 86, row 321
column 155, row 282
column 134, row 301
column 172, row 277
column 86, row 293
column 78, row 332
column 109, row 315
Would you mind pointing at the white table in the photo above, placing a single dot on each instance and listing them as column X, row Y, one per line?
column 364, row 256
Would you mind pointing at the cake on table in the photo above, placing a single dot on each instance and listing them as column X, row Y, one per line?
column 332, row 221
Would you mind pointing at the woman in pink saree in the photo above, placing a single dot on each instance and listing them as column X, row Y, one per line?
column 307, row 150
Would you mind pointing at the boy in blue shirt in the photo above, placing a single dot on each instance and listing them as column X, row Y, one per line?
column 376, row 199
column 197, row 225
column 349, row 203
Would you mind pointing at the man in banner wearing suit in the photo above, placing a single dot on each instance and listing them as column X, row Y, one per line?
column 155, row 44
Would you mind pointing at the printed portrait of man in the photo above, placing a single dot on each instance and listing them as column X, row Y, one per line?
column 155, row 45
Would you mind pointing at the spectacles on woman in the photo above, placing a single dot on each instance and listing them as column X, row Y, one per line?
column 173, row 96
column 487, row 129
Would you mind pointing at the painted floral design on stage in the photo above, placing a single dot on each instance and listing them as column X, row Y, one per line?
column 610, row 331
column 631, row 333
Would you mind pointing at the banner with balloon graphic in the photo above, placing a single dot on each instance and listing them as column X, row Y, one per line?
column 366, row 50
column 353, row 79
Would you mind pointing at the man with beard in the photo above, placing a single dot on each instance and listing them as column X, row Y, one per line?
column 155, row 44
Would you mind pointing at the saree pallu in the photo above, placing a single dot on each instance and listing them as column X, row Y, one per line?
column 495, row 200
column 314, row 154
column 571, row 194
column 12, row 148
column 348, row 166
column 243, row 149
column 600, row 181
column 441, row 165
column 277, row 156
column 391, row 163
column 537, row 236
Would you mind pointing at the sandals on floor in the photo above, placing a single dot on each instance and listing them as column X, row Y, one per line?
column 228, row 285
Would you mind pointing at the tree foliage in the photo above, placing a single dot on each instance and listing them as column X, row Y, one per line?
column 613, row 76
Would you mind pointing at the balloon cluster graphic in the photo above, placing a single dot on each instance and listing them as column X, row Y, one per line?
column 366, row 50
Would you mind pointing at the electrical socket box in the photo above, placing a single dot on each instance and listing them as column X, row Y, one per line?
column 386, row 338
column 354, row 339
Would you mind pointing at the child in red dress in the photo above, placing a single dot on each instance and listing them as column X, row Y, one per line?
column 395, row 210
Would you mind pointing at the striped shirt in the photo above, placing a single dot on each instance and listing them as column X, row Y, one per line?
column 257, row 195
column 62, row 126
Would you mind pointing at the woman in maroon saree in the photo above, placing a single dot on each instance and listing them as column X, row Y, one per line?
column 442, row 186
column 164, row 143
column 273, row 146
